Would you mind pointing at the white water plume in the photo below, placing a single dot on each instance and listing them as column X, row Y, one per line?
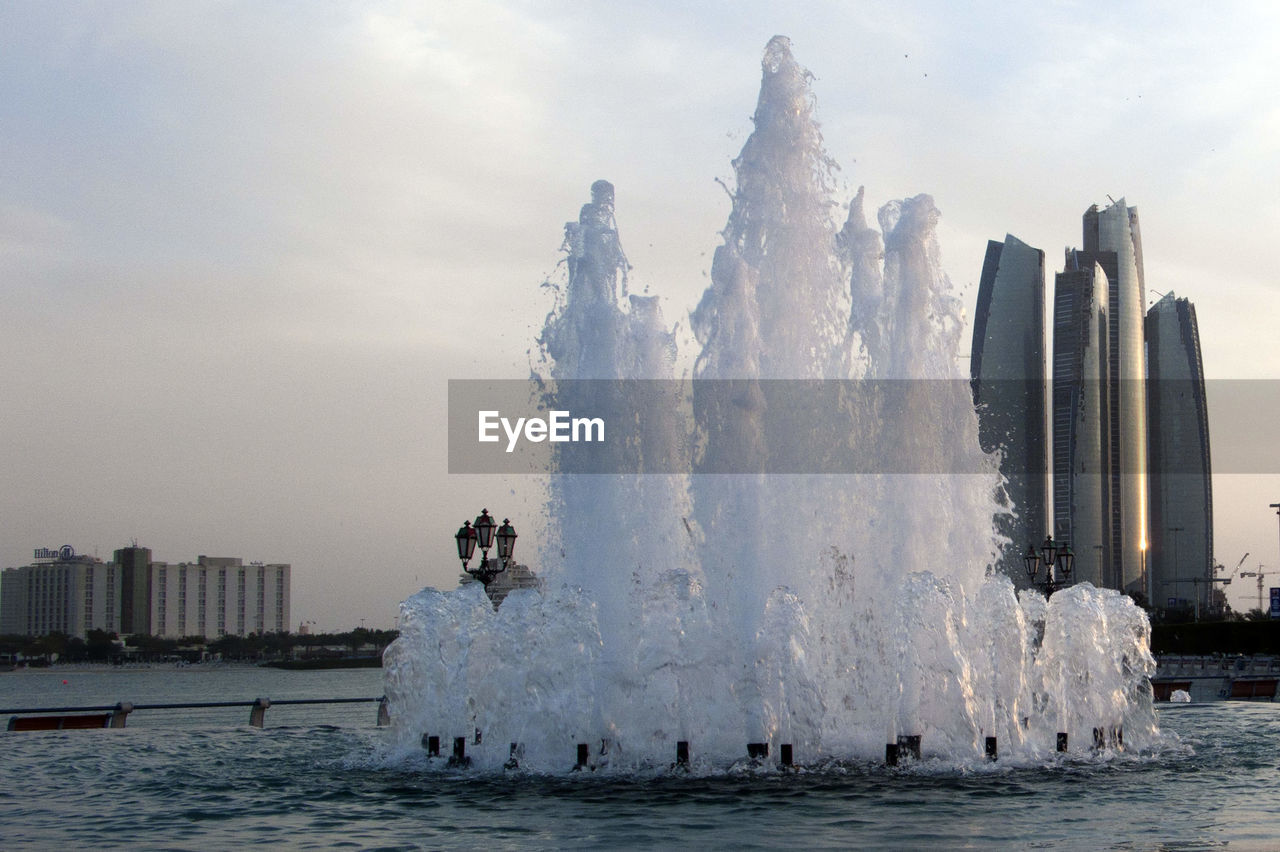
column 743, row 601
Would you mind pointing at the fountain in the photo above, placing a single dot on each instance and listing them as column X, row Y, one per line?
column 741, row 597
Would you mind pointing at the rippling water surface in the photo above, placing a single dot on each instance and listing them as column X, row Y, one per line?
column 319, row 777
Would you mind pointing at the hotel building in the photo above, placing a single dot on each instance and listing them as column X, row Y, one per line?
column 60, row 592
column 215, row 596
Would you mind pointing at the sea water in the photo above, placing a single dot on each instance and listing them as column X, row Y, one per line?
column 326, row 781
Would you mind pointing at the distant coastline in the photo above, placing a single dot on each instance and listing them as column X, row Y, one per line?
column 315, row 663
column 326, row 663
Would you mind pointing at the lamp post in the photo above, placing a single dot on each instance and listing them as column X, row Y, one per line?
column 483, row 534
column 1052, row 556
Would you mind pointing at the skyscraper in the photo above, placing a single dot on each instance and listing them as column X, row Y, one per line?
column 1179, row 467
column 1112, row 254
column 1081, row 484
column 1007, row 369
column 1112, row 236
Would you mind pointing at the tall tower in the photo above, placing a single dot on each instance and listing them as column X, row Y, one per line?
column 1113, row 237
column 1179, row 467
column 1007, row 369
column 1081, row 430
column 1113, row 247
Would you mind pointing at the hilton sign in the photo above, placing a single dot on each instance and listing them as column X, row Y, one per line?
column 63, row 554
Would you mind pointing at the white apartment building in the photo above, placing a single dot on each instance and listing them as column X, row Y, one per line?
column 216, row 596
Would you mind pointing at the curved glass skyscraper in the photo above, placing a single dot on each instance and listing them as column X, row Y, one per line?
column 1112, row 247
column 1181, row 555
column 1007, row 368
column 1081, row 433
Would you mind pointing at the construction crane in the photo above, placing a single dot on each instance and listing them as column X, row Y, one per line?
column 1237, row 568
column 1261, row 575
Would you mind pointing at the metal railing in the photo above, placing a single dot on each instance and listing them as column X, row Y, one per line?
column 56, row 718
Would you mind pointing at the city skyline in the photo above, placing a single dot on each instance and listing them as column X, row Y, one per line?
column 246, row 247
column 131, row 594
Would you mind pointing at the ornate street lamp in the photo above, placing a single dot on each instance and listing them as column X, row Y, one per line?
column 506, row 537
column 466, row 539
column 1053, row 556
column 482, row 534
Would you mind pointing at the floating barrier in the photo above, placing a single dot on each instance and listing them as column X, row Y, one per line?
column 59, row 723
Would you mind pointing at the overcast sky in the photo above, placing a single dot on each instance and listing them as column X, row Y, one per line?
column 244, row 246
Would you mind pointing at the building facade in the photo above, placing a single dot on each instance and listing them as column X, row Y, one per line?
column 1181, row 553
column 1081, row 484
column 216, row 596
column 60, row 592
column 1113, row 236
column 135, row 588
column 1007, row 369
column 1112, row 256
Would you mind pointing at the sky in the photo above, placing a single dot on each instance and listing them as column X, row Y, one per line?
column 244, row 246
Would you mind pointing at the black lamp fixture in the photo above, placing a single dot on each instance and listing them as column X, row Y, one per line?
column 1059, row 563
column 482, row 533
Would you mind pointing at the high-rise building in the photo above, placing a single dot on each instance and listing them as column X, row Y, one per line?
column 1113, row 247
column 1007, row 367
column 217, row 596
column 1181, row 554
column 1113, row 236
column 60, row 592
column 1080, row 431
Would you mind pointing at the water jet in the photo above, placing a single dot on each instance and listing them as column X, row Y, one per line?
column 824, row 414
